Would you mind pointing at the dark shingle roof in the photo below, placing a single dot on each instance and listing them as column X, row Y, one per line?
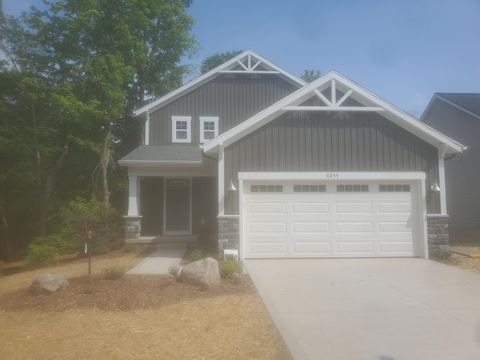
column 468, row 101
column 168, row 154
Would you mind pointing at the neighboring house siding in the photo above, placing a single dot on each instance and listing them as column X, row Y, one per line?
column 462, row 173
column 330, row 142
column 232, row 98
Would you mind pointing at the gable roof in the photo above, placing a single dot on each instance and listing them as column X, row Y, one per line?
column 467, row 102
column 335, row 81
column 163, row 155
column 248, row 62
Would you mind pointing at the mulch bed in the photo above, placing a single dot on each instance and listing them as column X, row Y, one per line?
column 124, row 294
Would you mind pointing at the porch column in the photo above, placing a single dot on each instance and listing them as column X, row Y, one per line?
column 133, row 194
column 133, row 220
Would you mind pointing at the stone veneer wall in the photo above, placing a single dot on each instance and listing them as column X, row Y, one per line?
column 228, row 233
column 438, row 238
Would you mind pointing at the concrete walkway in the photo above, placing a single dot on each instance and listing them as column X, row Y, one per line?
column 158, row 262
column 372, row 309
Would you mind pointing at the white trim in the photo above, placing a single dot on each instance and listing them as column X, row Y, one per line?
column 333, row 108
column 417, row 177
column 227, row 216
column 203, row 119
column 392, row 113
column 221, row 181
column 332, row 175
column 438, row 215
column 164, row 229
column 441, row 180
column 176, row 119
column 147, row 128
column 213, row 73
column 158, row 162
column 133, row 195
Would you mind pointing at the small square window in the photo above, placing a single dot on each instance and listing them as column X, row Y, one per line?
column 181, row 129
column 208, row 128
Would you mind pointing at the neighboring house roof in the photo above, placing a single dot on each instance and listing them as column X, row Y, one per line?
column 467, row 102
column 335, row 81
column 163, row 155
column 248, row 62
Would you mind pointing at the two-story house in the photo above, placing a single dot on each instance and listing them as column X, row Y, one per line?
column 273, row 167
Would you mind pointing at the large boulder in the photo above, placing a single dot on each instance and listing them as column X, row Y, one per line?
column 202, row 272
column 48, row 284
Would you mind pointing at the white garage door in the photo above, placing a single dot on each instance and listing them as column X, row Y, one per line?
column 298, row 219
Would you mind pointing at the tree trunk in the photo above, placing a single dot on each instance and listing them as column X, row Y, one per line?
column 35, row 135
column 104, row 166
column 7, row 244
column 50, row 181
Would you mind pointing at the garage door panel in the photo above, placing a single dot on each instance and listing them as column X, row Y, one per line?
column 310, row 207
column 354, row 227
column 353, row 208
column 329, row 224
column 268, row 248
column 312, row 248
column 269, row 207
column 311, row 227
column 267, row 227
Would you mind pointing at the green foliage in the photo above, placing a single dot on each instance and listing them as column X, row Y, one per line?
column 130, row 248
column 114, row 272
column 194, row 254
column 81, row 215
column 310, row 75
column 228, row 267
column 215, row 60
column 70, row 76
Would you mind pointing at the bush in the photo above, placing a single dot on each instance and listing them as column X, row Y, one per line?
column 81, row 214
column 195, row 254
column 228, row 267
column 114, row 272
column 130, row 248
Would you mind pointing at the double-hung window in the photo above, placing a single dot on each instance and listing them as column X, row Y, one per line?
column 181, row 129
column 208, row 128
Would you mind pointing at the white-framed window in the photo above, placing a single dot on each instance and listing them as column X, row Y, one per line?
column 208, row 128
column 181, row 129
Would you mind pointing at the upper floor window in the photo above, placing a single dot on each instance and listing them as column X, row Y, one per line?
column 181, row 129
column 208, row 128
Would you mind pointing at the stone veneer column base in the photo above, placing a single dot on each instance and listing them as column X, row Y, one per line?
column 133, row 227
column 228, row 233
column 438, row 238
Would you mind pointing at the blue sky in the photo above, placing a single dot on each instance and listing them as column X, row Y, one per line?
column 403, row 51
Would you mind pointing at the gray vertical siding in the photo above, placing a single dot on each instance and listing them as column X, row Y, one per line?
column 462, row 173
column 301, row 141
column 232, row 98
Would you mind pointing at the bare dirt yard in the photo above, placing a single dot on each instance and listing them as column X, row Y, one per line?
column 134, row 317
column 463, row 261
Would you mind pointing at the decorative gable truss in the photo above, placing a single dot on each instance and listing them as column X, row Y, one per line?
column 250, row 64
column 334, row 92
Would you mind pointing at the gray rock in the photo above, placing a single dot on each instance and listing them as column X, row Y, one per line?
column 202, row 272
column 48, row 283
column 174, row 270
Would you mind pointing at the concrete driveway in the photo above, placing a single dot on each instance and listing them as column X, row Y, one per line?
column 380, row 309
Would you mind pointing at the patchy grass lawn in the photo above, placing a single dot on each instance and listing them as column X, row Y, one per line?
column 463, row 262
column 133, row 318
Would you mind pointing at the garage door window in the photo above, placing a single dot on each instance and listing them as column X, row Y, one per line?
column 309, row 188
column 268, row 188
column 352, row 188
column 394, row 188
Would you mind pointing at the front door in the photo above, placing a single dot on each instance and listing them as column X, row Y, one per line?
column 178, row 206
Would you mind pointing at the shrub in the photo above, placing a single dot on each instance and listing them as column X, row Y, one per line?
column 195, row 254
column 114, row 272
column 81, row 214
column 130, row 248
column 228, row 267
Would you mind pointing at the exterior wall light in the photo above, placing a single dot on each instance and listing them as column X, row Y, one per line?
column 435, row 187
column 232, row 187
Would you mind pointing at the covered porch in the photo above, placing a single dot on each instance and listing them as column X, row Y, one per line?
column 172, row 195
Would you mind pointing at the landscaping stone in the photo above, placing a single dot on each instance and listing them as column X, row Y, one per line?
column 48, row 284
column 174, row 270
column 202, row 272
